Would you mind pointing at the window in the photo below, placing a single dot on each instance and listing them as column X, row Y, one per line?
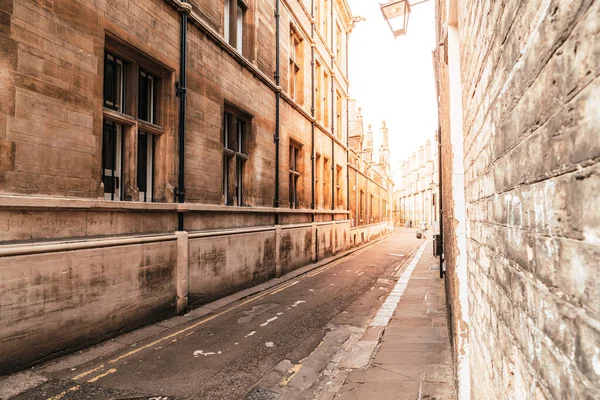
column 296, row 87
column 318, row 11
column 295, row 165
column 131, row 118
column 338, row 115
column 233, row 23
column 146, row 97
column 145, row 165
column 326, row 182
column 324, row 19
column 361, row 207
column 235, row 155
column 114, row 83
column 318, row 178
column 338, row 185
column 326, row 99
column 338, row 44
column 112, row 156
column 318, row 92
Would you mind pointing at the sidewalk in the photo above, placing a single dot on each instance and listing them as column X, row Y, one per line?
column 413, row 360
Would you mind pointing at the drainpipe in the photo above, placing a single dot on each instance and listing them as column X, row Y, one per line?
column 441, row 245
column 439, row 140
column 347, row 130
column 277, row 105
column 181, row 88
column 333, row 168
column 312, row 108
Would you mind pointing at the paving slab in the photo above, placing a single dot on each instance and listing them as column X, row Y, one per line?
column 413, row 359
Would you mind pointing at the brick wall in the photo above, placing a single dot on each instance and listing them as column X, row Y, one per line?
column 530, row 96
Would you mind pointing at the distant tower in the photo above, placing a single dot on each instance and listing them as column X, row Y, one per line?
column 384, row 151
column 356, row 136
column 368, row 145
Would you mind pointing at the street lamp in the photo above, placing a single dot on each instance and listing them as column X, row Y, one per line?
column 396, row 15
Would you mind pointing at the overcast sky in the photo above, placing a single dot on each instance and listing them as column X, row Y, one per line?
column 392, row 79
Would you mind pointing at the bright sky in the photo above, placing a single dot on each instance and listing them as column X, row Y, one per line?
column 392, row 79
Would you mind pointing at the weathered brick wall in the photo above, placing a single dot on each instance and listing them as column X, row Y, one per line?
column 530, row 93
column 446, row 186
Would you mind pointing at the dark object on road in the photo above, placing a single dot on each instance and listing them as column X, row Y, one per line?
column 261, row 394
column 420, row 234
column 437, row 245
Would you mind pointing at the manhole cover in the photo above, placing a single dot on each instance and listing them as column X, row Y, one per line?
column 261, row 394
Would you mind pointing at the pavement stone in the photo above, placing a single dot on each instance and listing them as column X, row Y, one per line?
column 413, row 359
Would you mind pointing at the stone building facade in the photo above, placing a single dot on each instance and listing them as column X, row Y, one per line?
column 99, row 233
column 416, row 198
column 518, row 89
column 371, row 183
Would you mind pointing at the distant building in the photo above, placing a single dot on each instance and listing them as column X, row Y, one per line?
column 416, row 191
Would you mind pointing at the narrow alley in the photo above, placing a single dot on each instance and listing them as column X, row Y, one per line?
column 312, row 334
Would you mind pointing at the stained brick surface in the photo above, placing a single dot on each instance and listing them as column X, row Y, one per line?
column 530, row 84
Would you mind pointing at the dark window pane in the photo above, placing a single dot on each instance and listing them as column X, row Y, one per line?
column 239, row 183
column 143, row 110
column 108, row 156
column 142, row 167
column 240, row 137
column 108, row 150
column 231, row 133
column 109, row 82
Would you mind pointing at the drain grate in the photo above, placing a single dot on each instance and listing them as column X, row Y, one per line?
column 434, row 267
column 261, row 394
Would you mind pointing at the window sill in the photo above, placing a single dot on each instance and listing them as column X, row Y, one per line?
column 150, row 128
column 118, row 117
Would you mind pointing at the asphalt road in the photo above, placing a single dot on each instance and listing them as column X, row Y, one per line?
column 283, row 340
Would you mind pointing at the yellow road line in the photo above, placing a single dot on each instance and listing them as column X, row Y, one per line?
column 64, row 393
column 86, row 373
column 285, row 287
column 98, row 377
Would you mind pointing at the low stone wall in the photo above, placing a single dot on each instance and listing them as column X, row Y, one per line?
column 366, row 233
column 65, row 298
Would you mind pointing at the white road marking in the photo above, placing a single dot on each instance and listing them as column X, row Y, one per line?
column 250, row 334
column 268, row 321
column 269, row 344
column 298, row 303
column 202, row 353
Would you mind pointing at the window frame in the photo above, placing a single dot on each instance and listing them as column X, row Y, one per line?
column 127, row 116
column 338, row 115
column 234, row 13
column 235, row 154
column 295, row 173
column 295, row 81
